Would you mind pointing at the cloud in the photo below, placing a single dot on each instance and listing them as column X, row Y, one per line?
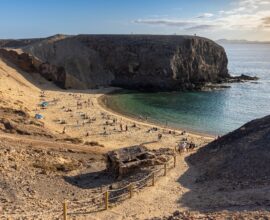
column 244, row 15
column 169, row 22
column 201, row 27
column 205, row 15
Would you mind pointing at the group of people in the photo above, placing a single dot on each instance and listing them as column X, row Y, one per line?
column 184, row 146
column 123, row 128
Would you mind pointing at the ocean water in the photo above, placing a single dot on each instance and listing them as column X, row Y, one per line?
column 213, row 112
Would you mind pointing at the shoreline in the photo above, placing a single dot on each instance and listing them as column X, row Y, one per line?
column 104, row 107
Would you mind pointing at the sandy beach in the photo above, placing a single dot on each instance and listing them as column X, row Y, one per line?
column 104, row 126
column 81, row 115
column 39, row 172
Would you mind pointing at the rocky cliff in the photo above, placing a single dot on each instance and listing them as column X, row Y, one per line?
column 130, row 61
column 134, row 61
column 30, row 64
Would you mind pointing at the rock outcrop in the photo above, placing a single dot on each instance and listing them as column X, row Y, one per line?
column 30, row 64
column 22, row 60
column 133, row 61
column 20, row 122
column 239, row 159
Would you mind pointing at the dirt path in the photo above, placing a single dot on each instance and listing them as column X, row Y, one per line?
column 47, row 144
column 160, row 200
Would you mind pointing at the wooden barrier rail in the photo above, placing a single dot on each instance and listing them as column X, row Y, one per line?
column 105, row 198
column 65, row 210
column 131, row 187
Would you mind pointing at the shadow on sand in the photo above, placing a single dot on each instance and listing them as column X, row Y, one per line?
column 91, row 180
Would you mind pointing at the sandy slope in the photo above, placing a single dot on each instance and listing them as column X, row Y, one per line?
column 176, row 191
column 23, row 91
column 15, row 88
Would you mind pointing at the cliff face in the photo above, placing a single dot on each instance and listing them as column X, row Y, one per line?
column 133, row 61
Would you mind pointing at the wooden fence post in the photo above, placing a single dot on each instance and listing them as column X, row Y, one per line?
column 174, row 161
column 106, row 200
column 165, row 169
column 153, row 179
column 130, row 190
column 65, row 210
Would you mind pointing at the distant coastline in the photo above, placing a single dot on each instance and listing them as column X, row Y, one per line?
column 226, row 41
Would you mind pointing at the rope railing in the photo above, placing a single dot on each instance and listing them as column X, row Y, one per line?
column 103, row 201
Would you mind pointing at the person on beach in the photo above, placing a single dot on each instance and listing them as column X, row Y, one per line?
column 182, row 147
column 126, row 128
column 192, row 146
column 121, row 127
column 159, row 136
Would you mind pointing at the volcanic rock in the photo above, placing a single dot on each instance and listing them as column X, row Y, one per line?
column 136, row 61
column 240, row 158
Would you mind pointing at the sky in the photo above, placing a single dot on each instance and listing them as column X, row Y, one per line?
column 215, row 19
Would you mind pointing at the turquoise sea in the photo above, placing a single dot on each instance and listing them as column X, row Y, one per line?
column 213, row 112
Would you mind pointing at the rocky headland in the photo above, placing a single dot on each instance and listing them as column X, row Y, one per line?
column 130, row 61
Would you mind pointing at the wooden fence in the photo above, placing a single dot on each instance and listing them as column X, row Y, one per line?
column 105, row 200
